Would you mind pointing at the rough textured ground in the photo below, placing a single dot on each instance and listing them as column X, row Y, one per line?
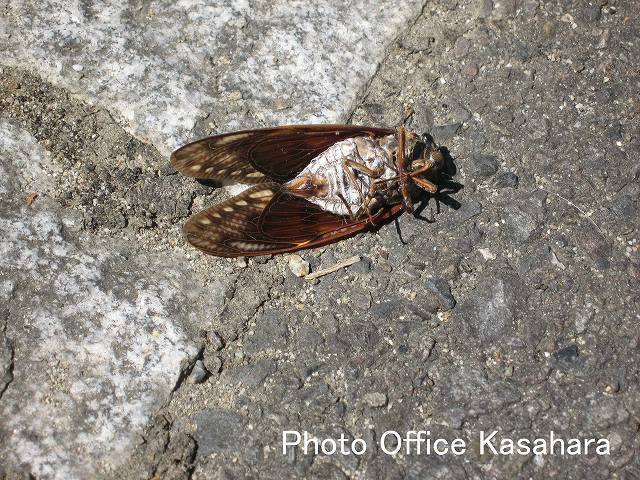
column 515, row 309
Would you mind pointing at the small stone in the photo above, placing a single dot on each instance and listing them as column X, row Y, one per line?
column 362, row 266
column 241, row 262
column 214, row 340
column 328, row 259
column 298, row 266
column 460, row 114
column 375, row 399
column 461, row 48
column 452, row 418
column 604, row 39
column 506, row 180
column 422, row 118
column 167, row 169
column 198, row 373
column 489, row 309
column 486, row 7
column 362, row 301
column 505, row 8
column 385, row 267
column 462, row 245
column 549, row 30
column 612, row 388
column 442, row 133
column 13, row 85
column 614, row 131
column 470, row 69
column 487, row 254
column 519, row 226
column 567, row 354
column 213, row 429
column 77, row 67
column 254, row 374
column 411, row 273
column 605, row 413
column 212, row 363
column 484, row 165
column 592, row 13
column 440, row 287
column 615, row 441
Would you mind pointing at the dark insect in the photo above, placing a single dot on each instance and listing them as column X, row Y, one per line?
column 312, row 184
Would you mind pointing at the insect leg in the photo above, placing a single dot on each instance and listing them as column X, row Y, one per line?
column 427, row 165
column 372, row 201
column 407, row 204
column 348, row 166
column 372, row 173
column 347, row 206
column 425, row 184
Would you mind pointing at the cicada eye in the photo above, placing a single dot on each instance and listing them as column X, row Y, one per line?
column 417, row 164
column 437, row 157
column 417, row 150
column 427, row 139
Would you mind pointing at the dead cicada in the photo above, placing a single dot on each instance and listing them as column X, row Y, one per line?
column 312, row 184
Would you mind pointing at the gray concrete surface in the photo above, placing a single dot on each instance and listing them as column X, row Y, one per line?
column 127, row 354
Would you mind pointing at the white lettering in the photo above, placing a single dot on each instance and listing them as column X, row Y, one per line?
column 310, row 440
column 419, row 442
column 383, row 442
column 486, row 442
column 603, row 447
column 574, row 447
column 286, row 443
column 523, row 446
column 588, row 442
column 343, row 447
column 363, row 446
column 414, row 437
column 506, row 446
column 442, row 451
column 539, row 446
column 458, row 446
column 332, row 446
column 553, row 442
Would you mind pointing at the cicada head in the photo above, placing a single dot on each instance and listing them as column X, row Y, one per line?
column 426, row 161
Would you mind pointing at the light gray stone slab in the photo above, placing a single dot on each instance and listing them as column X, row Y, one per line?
column 160, row 66
column 91, row 338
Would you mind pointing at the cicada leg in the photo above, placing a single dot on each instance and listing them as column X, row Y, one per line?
column 349, row 166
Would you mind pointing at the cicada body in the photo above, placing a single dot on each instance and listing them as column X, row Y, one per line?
column 312, row 184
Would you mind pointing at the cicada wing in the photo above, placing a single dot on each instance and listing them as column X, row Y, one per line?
column 263, row 155
column 264, row 219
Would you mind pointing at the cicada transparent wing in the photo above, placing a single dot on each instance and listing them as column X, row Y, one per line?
column 264, row 220
column 263, row 155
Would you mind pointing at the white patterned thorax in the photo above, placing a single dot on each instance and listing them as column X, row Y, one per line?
column 371, row 152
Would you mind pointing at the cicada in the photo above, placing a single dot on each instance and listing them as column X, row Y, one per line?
column 310, row 184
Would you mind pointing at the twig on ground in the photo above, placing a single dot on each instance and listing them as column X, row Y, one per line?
column 334, row 268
